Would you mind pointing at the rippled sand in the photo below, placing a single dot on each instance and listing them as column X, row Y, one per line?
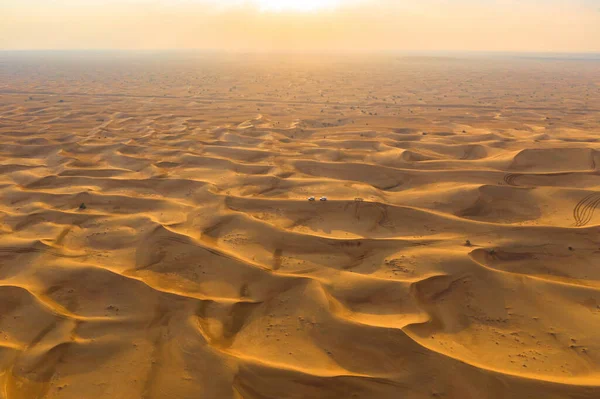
column 156, row 240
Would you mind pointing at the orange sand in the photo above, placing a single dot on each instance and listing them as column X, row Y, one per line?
column 198, row 269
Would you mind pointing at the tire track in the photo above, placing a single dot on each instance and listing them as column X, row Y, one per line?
column 511, row 178
column 584, row 210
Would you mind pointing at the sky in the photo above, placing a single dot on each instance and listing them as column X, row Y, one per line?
column 303, row 25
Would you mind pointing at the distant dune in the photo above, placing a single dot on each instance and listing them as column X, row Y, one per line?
column 156, row 238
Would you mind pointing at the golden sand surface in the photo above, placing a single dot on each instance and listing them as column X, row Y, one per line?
column 156, row 240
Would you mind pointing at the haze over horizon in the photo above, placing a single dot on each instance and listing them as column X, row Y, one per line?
column 307, row 25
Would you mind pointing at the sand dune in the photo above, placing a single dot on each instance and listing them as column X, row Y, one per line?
column 156, row 240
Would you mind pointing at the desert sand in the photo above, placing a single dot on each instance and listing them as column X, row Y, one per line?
column 156, row 240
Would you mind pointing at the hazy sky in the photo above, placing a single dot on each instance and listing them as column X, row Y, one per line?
column 302, row 25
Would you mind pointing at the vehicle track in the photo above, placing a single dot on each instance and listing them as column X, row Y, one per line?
column 584, row 210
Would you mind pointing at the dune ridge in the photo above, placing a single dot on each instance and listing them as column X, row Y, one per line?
column 156, row 239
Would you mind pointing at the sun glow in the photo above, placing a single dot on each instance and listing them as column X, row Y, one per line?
column 296, row 5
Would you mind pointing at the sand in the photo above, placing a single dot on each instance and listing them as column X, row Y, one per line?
column 457, row 255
